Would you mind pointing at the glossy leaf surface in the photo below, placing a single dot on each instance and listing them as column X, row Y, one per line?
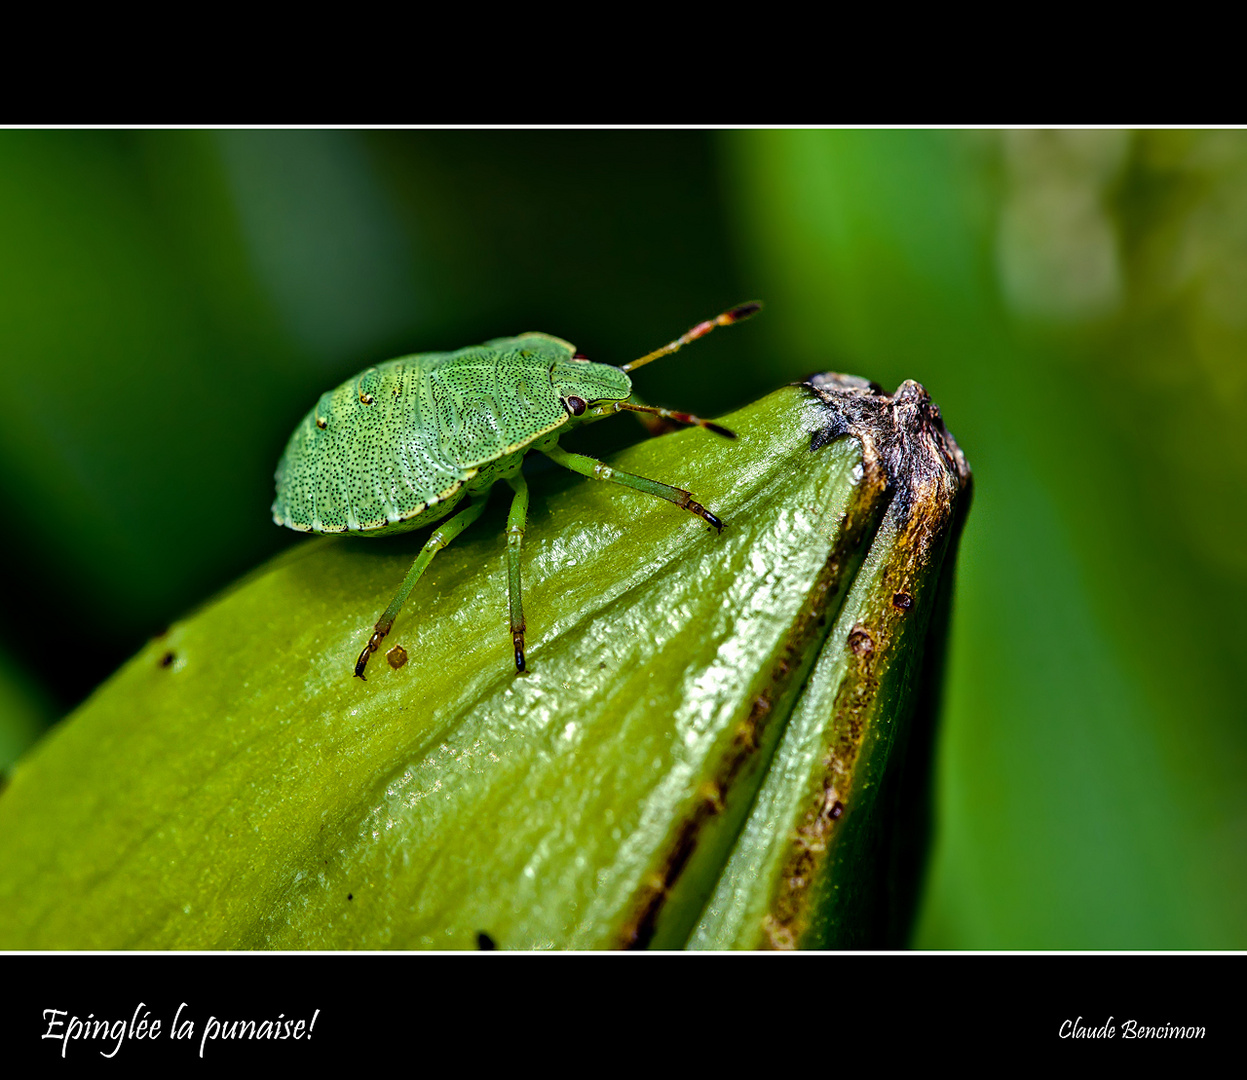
column 234, row 787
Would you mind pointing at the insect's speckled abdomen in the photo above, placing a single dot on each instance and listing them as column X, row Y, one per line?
column 403, row 438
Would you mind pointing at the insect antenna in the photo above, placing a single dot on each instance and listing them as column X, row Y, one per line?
column 737, row 314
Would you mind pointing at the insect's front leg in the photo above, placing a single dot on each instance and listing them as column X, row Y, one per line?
column 656, row 421
column 683, row 418
column 516, row 520
column 599, row 470
column 442, row 536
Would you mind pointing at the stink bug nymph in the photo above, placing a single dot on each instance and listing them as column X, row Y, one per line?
column 401, row 444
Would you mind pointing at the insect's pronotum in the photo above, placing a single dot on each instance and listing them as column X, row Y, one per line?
column 401, row 444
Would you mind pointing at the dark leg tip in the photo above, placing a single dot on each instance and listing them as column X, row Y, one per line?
column 521, row 665
column 377, row 637
column 719, row 429
column 705, row 515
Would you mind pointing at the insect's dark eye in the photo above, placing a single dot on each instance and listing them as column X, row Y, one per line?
column 581, row 357
column 576, row 406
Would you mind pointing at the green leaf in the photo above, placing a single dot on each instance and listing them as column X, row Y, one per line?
column 234, row 786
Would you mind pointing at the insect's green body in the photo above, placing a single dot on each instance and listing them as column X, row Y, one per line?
column 401, row 444
column 396, row 447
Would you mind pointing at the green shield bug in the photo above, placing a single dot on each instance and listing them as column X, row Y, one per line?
column 401, row 444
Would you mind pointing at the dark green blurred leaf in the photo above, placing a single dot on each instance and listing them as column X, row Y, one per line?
column 24, row 713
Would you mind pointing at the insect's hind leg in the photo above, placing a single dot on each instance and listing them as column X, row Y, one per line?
column 442, row 536
column 598, row 470
column 516, row 520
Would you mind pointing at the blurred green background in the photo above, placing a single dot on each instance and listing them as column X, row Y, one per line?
column 171, row 303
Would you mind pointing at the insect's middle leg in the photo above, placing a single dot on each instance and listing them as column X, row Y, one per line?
column 598, row 470
column 442, row 536
column 516, row 520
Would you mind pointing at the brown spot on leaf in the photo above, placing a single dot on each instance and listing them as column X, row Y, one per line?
column 397, row 657
column 860, row 641
column 712, row 795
